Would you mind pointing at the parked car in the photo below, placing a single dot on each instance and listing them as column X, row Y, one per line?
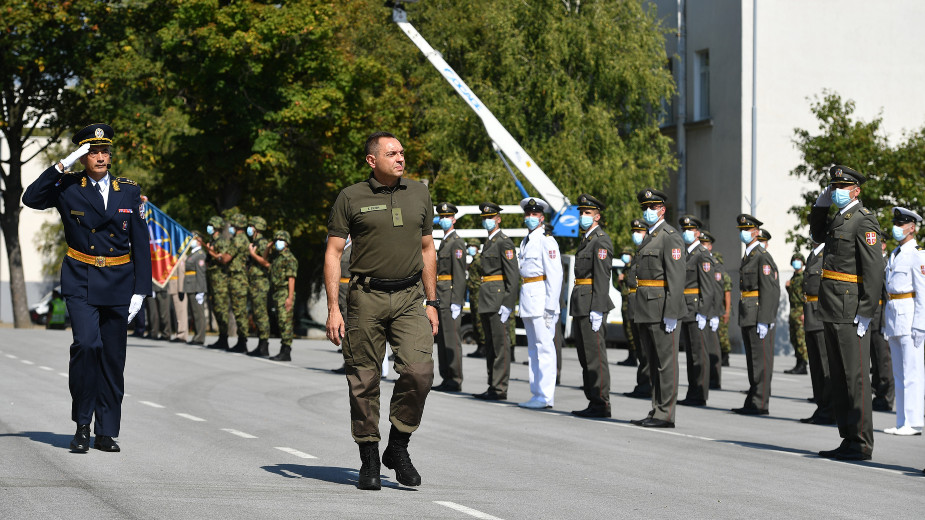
column 38, row 312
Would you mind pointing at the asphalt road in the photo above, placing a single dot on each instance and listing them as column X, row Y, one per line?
column 208, row 434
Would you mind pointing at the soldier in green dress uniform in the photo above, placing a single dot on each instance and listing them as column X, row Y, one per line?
column 473, row 284
column 451, row 291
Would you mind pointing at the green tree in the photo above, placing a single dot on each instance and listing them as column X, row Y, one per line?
column 894, row 173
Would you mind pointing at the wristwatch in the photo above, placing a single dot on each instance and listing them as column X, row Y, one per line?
column 433, row 303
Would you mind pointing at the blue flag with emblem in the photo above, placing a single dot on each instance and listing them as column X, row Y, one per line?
column 169, row 240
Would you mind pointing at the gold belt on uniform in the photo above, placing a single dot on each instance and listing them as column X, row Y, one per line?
column 493, row 278
column 632, row 291
column 650, row 283
column 345, row 280
column 584, row 281
column 531, row 279
column 190, row 273
column 902, row 296
column 98, row 261
column 842, row 277
column 444, row 278
column 691, row 291
column 810, row 298
column 749, row 294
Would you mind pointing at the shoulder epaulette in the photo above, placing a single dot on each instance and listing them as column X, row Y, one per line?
column 669, row 229
column 866, row 211
column 127, row 181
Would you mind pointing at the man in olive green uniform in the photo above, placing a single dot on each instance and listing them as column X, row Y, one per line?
column 451, row 291
column 627, row 288
column 881, row 359
column 589, row 305
column 258, row 280
column 237, row 271
column 393, row 269
column 852, row 284
column 195, row 287
column 643, row 388
column 500, row 277
column 815, row 340
column 795, row 294
column 700, row 296
column 473, row 284
column 716, row 310
column 760, row 298
column 659, row 305
column 283, row 271
column 218, row 250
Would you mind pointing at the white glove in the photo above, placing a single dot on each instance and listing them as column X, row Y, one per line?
column 550, row 316
column 762, row 330
column 455, row 310
column 505, row 313
column 670, row 324
column 918, row 337
column 77, row 154
column 596, row 319
column 825, row 198
column 714, row 323
column 134, row 306
column 200, row 297
column 863, row 323
column 701, row 321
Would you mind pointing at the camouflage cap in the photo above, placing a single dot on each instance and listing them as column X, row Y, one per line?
column 627, row 250
column 797, row 256
column 239, row 221
column 282, row 235
column 216, row 222
column 473, row 242
column 259, row 223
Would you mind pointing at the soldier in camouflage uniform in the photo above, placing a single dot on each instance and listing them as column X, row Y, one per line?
column 258, row 278
column 723, row 331
column 282, row 286
column 797, row 337
column 626, row 286
column 237, row 270
column 218, row 250
column 473, row 283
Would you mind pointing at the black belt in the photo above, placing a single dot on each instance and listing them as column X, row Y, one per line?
column 380, row 284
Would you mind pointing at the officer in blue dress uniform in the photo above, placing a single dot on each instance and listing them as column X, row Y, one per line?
column 104, row 277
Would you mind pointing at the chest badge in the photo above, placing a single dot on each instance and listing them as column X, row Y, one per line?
column 676, row 254
column 766, row 269
column 871, row 237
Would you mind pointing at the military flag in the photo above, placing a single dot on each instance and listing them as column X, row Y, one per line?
column 169, row 240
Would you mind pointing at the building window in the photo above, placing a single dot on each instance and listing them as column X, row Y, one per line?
column 702, row 86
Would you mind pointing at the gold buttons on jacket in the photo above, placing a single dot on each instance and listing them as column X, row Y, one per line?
column 93, row 231
column 92, row 247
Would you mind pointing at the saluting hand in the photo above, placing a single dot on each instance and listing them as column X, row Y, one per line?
column 77, row 154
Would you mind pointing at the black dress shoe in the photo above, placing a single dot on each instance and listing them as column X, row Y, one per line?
column 81, row 441
column 638, row 422
column 815, row 419
column 830, row 454
column 716, row 386
column 490, row 395
column 692, row 402
column 638, row 394
column 105, row 443
column 447, row 386
column 852, row 455
column 652, row 422
column 750, row 411
column 592, row 411
column 880, row 404
column 476, row 354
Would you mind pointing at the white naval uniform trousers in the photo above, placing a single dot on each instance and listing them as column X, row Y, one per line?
column 539, row 256
column 905, row 274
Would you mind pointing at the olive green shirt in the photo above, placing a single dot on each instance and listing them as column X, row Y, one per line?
column 386, row 225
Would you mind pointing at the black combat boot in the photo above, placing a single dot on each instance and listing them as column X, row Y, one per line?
column 799, row 369
column 630, row 360
column 240, row 346
column 396, row 457
column 221, row 343
column 262, row 350
column 283, row 354
column 725, row 361
column 369, row 471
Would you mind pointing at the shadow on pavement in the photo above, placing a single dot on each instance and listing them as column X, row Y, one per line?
column 57, row 440
column 334, row 475
column 814, row 455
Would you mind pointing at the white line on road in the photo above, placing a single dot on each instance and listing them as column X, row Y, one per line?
column 152, row 405
column 191, row 417
column 27, row 362
column 239, row 433
column 11, row 356
column 468, row 510
column 297, row 453
column 63, row 374
column 46, row 368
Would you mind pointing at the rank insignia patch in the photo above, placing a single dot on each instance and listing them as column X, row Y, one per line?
column 125, row 210
column 458, row 253
column 509, row 254
column 676, row 254
column 552, row 254
column 124, row 225
column 871, row 237
column 602, row 254
column 707, row 267
column 766, row 269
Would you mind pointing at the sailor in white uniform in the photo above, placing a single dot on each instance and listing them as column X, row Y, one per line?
column 541, row 271
column 904, row 323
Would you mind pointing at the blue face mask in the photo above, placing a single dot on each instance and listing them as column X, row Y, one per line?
column 796, row 264
column 626, row 258
column 280, row 245
column 231, row 229
column 488, row 223
column 250, row 231
column 531, row 222
column 586, row 221
column 745, row 236
column 688, row 237
column 210, row 229
column 650, row 216
column 472, row 251
column 637, row 238
column 445, row 224
column 841, row 197
column 898, row 233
